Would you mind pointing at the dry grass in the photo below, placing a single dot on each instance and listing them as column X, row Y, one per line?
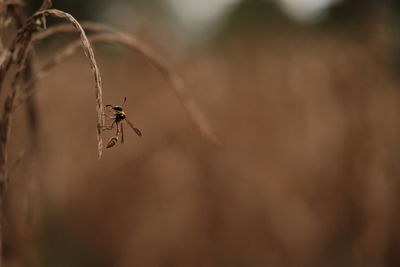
column 95, row 69
column 307, row 172
column 18, row 56
column 113, row 36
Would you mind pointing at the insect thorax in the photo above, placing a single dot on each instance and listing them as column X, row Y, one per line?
column 119, row 117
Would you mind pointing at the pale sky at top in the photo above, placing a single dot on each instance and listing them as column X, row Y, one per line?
column 305, row 10
column 199, row 13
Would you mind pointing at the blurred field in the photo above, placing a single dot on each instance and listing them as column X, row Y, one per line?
column 306, row 173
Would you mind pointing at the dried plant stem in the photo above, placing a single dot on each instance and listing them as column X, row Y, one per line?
column 5, row 124
column 93, row 64
column 24, row 35
column 44, row 70
column 20, row 46
column 18, row 54
column 158, row 61
column 19, row 17
column 6, row 62
column 23, row 40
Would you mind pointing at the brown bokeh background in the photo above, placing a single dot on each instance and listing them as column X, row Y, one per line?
column 306, row 172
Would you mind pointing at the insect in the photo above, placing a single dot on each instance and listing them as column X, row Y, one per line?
column 118, row 118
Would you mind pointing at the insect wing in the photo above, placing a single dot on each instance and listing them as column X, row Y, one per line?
column 137, row 131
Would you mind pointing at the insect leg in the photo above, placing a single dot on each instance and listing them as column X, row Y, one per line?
column 113, row 140
column 122, row 133
column 108, row 127
column 118, row 130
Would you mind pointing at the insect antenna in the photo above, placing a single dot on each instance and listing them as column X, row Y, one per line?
column 123, row 103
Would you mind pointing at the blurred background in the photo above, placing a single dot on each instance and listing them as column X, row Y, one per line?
column 303, row 96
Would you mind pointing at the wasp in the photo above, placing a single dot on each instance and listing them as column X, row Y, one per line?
column 118, row 118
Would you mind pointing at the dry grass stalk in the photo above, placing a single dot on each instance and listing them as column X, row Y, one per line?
column 45, row 69
column 21, row 45
column 11, row 11
column 87, row 48
column 19, row 54
column 19, row 17
column 132, row 43
column 22, row 39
